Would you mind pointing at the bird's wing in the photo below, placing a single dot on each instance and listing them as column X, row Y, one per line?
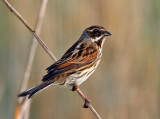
column 71, row 60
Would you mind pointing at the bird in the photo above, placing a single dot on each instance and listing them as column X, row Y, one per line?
column 77, row 64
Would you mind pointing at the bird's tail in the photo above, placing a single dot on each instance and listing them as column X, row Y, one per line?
column 32, row 91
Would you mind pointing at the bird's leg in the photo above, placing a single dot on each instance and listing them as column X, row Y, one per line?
column 87, row 101
column 75, row 87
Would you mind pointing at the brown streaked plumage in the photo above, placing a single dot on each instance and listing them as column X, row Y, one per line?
column 77, row 64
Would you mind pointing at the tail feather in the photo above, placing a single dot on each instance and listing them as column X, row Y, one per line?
column 32, row 91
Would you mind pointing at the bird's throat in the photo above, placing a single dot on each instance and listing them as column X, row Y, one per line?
column 100, row 42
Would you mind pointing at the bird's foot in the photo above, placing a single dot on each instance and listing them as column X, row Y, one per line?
column 87, row 102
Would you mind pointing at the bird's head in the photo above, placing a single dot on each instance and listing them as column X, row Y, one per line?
column 96, row 34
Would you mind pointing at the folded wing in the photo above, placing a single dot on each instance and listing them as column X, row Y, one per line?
column 71, row 62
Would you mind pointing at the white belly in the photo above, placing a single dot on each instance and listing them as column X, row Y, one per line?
column 79, row 81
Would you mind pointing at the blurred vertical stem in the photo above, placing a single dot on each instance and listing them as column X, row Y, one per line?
column 23, row 106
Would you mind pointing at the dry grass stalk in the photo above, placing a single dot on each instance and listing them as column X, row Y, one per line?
column 23, row 105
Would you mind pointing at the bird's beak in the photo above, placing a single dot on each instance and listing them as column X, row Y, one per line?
column 106, row 33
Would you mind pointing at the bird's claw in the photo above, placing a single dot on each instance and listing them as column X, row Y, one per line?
column 86, row 103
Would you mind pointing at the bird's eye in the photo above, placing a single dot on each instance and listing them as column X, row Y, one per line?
column 97, row 32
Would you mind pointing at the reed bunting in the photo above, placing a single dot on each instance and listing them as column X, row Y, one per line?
column 77, row 64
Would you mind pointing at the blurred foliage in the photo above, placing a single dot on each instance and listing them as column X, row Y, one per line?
column 126, row 85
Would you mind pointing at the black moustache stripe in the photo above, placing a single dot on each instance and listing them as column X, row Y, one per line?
column 99, row 42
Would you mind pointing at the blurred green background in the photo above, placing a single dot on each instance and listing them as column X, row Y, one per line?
column 126, row 85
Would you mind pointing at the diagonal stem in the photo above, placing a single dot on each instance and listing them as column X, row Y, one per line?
column 88, row 104
column 81, row 93
column 30, row 29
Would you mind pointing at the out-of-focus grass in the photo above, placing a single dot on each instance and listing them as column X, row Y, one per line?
column 126, row 84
